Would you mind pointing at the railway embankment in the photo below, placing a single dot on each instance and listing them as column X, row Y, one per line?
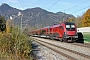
column 56, row 50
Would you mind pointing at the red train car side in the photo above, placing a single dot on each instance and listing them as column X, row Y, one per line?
column 65, row 31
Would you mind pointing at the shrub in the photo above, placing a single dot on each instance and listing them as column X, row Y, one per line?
column 15, row 45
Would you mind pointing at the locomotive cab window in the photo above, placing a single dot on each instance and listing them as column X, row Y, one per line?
column 70, row 27
column 67, row 26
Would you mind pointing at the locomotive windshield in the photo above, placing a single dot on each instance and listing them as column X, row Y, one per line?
column 70, row 26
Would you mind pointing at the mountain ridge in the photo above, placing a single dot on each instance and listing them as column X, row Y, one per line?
column 34, row 17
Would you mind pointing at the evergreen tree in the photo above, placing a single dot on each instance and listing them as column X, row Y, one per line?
column 2, row 23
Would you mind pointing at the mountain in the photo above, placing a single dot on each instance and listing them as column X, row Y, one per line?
column 7, row 11
column 34, row 17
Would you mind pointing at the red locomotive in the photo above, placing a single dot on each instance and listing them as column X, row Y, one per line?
column 65, row 31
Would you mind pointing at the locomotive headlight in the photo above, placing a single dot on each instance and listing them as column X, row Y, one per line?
column 76, row 34
column 65, row 33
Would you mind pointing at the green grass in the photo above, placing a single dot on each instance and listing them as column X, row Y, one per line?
column 86, row 37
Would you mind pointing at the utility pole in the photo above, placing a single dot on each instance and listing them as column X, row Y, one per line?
column 37, row 16
column 63, row 15
column 21, row 23
column 20, row 14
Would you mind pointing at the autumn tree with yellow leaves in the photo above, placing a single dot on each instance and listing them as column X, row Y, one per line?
column 8, row 26
column 86, row 20
column 81, row 21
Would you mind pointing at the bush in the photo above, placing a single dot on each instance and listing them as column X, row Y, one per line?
column 15, row 45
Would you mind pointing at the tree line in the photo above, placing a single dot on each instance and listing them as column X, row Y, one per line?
column 82, row 21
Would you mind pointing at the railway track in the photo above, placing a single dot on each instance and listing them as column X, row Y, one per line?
column 78, row 44
column 87, row 45
column 70, row 54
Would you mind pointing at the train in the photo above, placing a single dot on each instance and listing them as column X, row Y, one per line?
column 65, row 32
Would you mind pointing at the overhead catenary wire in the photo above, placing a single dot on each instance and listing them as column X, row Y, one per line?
column 75, row 5
column 80, row 9
column 21, row 4
column 53, row 4
column 48, row 3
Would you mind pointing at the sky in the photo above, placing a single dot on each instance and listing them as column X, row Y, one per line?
column 74, row 7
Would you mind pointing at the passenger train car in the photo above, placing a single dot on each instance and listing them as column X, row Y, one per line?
column 65, row 31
